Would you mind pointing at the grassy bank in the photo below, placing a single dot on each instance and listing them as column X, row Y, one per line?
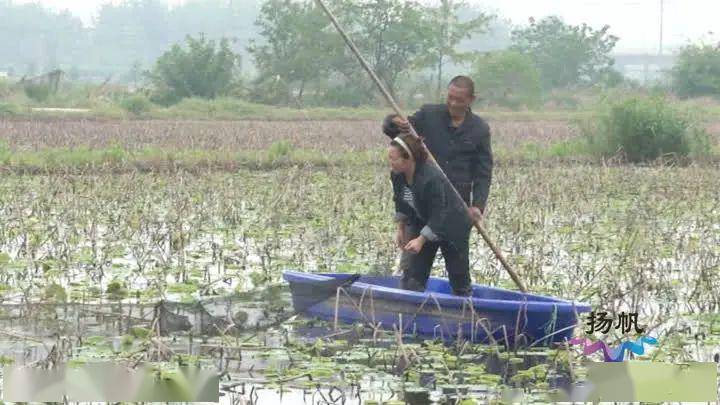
column 235, row 109
column 114, row 159
column 232, row 110
column 118, row 159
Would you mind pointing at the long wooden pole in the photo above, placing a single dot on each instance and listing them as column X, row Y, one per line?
column 395, row 107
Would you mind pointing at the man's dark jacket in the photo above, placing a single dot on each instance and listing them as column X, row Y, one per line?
column 464, row 154
column 438, row 206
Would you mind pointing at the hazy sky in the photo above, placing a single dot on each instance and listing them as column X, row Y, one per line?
column 636, row 22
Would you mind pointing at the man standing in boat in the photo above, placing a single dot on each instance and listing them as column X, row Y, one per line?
column 460, row 142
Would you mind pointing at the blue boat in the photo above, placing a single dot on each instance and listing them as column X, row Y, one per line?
column 490, row 315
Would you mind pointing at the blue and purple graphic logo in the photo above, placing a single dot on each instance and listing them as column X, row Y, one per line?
column 616, row 353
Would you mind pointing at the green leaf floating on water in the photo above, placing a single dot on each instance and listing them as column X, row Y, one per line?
column 490, row 379
column 55, row 293
column 127, row 342
column 116, row 290
column 140, row 332
column 475, row 369
column 186, row 288
column 172, row 384
column 76, row 362
column 95, row 341
column 322, row 372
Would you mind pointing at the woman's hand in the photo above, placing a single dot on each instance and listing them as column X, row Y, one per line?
column 415, row 245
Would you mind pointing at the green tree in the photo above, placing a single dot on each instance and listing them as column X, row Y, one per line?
column 445, row 31
column 566, row 55
column 136, row 105
column 294, row 50
column 31, row 35
column 697, row 71
column 203, row 69
column 217, row 19
column 123, row 32
column 508, row 78
column 130, row 31
column 393, row 36
column 300, row 47
column 37, row 91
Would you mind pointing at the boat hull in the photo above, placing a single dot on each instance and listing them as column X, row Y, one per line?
column 491, row 315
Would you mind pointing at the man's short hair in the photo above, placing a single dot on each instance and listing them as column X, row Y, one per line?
column 463, row 82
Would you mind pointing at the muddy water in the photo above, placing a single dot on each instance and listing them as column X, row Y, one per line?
column 96, row 332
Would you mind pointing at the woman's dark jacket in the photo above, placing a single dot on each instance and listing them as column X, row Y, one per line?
column 440, row 208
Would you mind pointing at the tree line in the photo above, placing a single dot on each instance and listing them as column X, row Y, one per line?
column 412, row 47
column 286, row 52
column 124, row 37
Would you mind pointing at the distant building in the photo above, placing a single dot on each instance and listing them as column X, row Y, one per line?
column 644, row 67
